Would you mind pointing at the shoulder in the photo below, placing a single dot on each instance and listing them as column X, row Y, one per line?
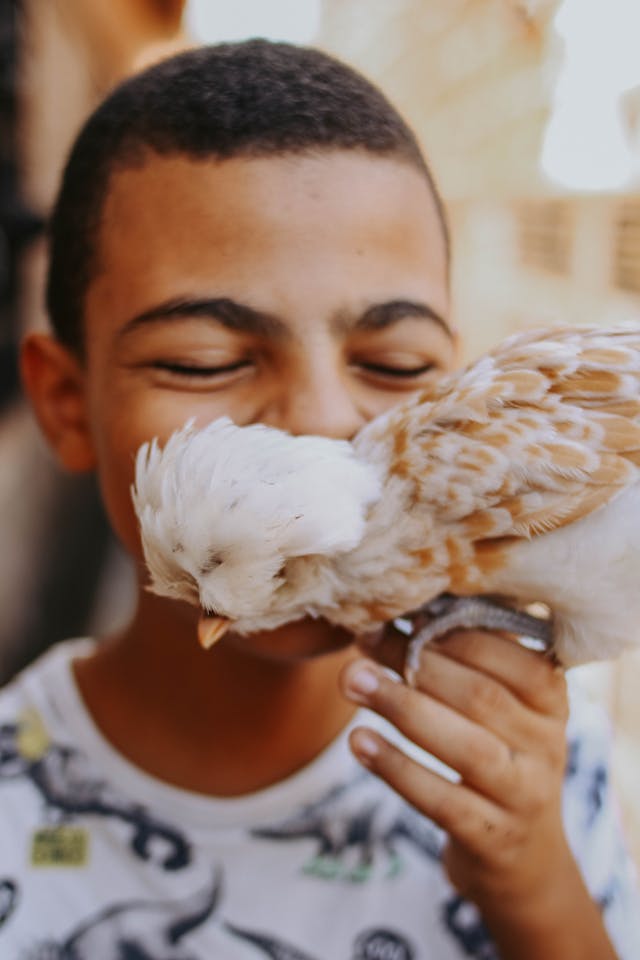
column 54, row 661
column 33, row 705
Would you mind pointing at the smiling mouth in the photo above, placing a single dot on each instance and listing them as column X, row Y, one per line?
column 211, row 629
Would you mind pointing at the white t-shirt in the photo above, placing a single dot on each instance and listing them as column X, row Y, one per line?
column 99, row 861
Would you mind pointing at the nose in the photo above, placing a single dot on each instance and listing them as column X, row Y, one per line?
column 316, row 400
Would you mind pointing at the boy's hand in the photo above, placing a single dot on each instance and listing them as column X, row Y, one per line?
column 495, row 713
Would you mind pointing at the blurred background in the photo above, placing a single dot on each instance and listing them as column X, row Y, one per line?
column 529, row 111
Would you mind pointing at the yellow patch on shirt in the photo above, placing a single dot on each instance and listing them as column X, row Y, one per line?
column 33, row 739
column 61, row 846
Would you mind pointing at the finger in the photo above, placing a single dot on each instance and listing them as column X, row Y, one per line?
column 485, row 762
column 542, row 686
column 485, row 700
column 531, row 677
column 474, row 821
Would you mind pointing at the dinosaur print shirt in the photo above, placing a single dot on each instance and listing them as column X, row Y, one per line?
column 99, row 861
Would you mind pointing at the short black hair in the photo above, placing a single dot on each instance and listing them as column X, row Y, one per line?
column 254, row 98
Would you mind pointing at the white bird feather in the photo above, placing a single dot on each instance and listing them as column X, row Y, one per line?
column 518, row 476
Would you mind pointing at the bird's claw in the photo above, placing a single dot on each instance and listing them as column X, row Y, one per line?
column 448, row 612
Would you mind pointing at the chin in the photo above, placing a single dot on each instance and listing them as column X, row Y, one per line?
column 301, row 640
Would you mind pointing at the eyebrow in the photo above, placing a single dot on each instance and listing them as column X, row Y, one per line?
column 382, row 315
column 240, row 317
column 229, row 313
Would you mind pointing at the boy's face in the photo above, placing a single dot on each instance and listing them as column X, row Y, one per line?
column 309, row 293
column 306, row 292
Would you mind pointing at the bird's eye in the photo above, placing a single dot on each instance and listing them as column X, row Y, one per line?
column 212, row 562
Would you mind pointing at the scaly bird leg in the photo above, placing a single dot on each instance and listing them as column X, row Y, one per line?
column 447, row 612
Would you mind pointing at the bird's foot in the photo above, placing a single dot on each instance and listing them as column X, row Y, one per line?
column 448, row 612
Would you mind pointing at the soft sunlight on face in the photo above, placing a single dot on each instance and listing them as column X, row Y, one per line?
column 309, row 293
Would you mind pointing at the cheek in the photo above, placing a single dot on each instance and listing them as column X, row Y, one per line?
column 116, row 467
column 119, row 429
column 121, row 422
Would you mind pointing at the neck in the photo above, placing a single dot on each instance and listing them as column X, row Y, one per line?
column 225, row 722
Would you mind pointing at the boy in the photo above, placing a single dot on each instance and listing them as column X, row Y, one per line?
column 251, row 230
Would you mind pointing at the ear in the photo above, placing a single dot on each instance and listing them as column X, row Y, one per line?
column 54, row 380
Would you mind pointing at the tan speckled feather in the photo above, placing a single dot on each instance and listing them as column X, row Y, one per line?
column 534, row 437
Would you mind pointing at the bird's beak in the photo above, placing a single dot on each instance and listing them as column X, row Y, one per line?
column 211, row 629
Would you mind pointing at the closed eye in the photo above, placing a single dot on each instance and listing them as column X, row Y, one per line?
column 406, row 372
column 195, row 370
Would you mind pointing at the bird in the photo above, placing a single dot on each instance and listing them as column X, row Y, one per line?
column 506, row 488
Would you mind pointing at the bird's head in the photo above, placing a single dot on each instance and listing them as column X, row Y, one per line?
column 224, row 510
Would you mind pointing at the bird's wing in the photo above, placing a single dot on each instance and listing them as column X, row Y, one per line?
column 533, row 436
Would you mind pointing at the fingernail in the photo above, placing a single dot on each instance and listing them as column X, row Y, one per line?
column 365, row 745
column 362, row 682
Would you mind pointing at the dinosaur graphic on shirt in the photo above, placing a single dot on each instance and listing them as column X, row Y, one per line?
column 64, row 778
column 374, row 944
column 464, row 922
column 269, row 946
column 136, row 930
column 8, row 898
column 594, row 774
column 354, row 830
